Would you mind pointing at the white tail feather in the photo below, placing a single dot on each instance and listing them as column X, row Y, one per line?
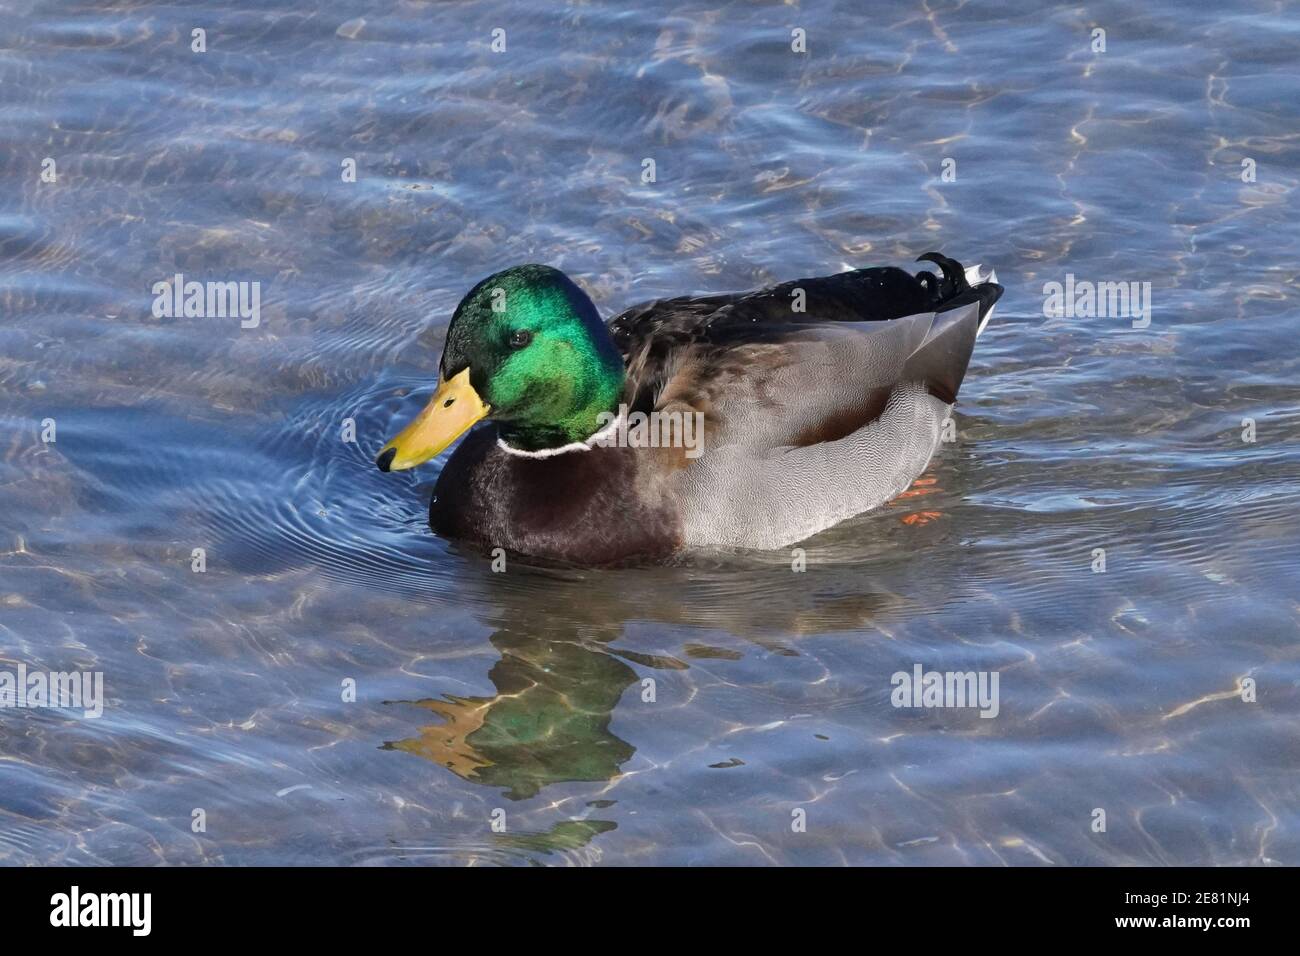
column 976, row 275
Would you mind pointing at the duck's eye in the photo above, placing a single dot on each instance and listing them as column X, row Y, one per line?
column 520, row 338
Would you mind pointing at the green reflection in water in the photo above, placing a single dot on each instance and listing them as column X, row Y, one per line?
column 547, row 723
column 565, row 835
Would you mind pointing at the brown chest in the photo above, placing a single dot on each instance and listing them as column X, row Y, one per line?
column 595, row 507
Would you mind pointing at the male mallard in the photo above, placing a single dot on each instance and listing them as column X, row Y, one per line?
column 818, row 399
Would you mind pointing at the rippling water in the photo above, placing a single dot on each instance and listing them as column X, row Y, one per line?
column 525, row 693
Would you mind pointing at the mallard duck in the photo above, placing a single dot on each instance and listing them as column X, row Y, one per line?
column 776, row 413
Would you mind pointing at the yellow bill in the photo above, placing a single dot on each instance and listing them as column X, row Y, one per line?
column 449, row 414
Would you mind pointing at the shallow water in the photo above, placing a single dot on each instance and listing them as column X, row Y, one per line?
column 525, row 692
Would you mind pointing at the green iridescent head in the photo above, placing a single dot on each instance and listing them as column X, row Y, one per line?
column 527, row 349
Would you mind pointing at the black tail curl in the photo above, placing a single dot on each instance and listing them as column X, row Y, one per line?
column 953, row 282
column 952, row 290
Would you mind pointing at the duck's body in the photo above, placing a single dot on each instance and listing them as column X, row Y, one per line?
column 809, row 416
column 601, row 506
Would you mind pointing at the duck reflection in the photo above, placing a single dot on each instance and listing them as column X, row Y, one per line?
column 547, row 723
column 558, row 680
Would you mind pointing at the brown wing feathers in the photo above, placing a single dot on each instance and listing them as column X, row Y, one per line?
column 705, row 341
